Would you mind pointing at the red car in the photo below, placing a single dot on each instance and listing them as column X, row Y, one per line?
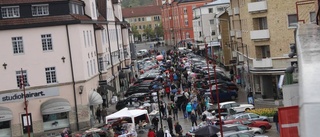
column 264, row 125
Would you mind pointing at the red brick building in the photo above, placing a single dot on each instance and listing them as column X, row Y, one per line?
column 177, row 19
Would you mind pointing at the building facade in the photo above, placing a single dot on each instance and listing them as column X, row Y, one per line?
column 261, row 35
column 142, row 18
column 59, row 57
column 177, row 20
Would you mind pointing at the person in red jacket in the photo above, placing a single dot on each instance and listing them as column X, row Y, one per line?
column 151, row 133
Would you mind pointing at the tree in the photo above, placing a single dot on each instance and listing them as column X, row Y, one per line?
column 135, row 31
column 159, row 30
column 149, row 32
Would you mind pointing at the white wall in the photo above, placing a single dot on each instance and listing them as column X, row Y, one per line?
column 34, row 59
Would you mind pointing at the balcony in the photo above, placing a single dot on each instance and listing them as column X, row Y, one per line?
column 260, row 6
column 232, row 33
column 236, row 10
column 262, row 63
column 238, row 34
column 260, row 35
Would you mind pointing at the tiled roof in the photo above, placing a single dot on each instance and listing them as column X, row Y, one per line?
column 7, row 2
column 141, row 11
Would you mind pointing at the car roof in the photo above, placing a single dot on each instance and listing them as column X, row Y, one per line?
column 228, row 102
column 231, row 125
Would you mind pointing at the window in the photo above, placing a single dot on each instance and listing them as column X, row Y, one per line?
column 88, row 39
column 263, row 24
column 144, row 26
column 199, row 23
column 226, row 106
column 213, row 32
column 185, row 11
column 210, row 10
column 241, row 127
column 244, row 116
column 313, row 17
column 292, row 20
column 76, row 9
column 88, row 68
column 17, row 44
column 94, row 66
column 265, row 51
column 211, row 21
column 85, row 39
column 150, row 26
column 46, row 42
column 91, row 67
column 19, row 75
column 156, row 18
column 100, row 62
column 187, row 35
column 5, row 127
column 200, row 34
column 10, row 12
column 140, row 27
column 135, row 20
column 51, row 75
column 186, row 22
column 40, row 10
column 142, row 19
column 235, row 105
column 148, row 18
column 91, row 38
column 60, row 118
column 254, row 116
column 139, row 19
column 220, row 9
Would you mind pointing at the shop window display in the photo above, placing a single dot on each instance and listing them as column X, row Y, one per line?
column 55, row 121
column 5, row 130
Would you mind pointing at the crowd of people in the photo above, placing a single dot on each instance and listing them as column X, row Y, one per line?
column 179, row 95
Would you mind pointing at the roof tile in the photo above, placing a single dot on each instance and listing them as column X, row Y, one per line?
column 141, row 11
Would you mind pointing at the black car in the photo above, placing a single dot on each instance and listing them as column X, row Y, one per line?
column 138, row 97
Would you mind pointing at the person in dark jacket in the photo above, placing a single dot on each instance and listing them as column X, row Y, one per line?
column 175, row 111
column 193, row 118
column 178, row 129
column 155, row 121
column 160, row 133
column 276, row 120
column 170, row 124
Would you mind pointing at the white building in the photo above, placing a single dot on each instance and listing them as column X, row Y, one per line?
column 62, row 54
column 205, row 22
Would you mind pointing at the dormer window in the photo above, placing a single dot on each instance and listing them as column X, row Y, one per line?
column 76, row 9
column 40, row 10
column 10, row 12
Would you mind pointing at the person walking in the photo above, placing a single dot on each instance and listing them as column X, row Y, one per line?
column 276, row 120
column 155, row 122
column 178, row 129
column 160, row 133
column 188, row 109
column 151, row 133
column 98, row 114
column 175, row 111
column 170, row 124
column 193, row 118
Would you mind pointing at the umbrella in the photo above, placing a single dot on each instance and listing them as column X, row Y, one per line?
column 207, row 131
column 159, row 57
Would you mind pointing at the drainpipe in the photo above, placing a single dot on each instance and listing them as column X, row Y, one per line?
column 73, row 81
column 119, row 56
column 97, row 58
column 110, row 58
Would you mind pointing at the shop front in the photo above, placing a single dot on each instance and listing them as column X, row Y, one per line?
column 266, row 84
column 5, row 122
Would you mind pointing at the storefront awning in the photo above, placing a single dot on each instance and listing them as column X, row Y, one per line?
column 95, row 99
column 5, row 114
column 56, row 105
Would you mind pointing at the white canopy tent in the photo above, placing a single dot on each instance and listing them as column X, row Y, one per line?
column 125, row 112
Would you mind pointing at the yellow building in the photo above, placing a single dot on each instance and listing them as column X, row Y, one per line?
column 262, row 32
column 143, row 17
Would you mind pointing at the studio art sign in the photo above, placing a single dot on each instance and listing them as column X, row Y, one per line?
column 30, row 94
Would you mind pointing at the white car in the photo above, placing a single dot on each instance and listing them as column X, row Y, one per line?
column 236, row 106
column 241, row 128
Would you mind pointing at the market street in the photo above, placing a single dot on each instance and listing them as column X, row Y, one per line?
column 242, row 98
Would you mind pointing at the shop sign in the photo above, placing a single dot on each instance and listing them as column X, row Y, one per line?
column 30, row 94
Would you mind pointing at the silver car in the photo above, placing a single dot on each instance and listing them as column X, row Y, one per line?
column 249, row 116
column 241, row 128
column 240, row 134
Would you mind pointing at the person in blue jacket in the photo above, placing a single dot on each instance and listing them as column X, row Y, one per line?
column 189, row 109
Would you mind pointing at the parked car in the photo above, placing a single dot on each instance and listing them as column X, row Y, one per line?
column 249, row 116
column 224, row 94
column 241, row 128
column 240, row 134
column 264, row 125
column 236, row 106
